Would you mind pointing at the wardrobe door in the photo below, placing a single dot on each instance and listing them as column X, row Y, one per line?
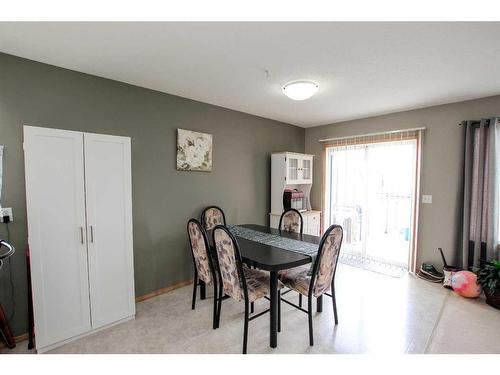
column 55, row 198
column 109, row 228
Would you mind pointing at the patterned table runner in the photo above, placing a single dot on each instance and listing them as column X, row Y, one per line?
column 275, row 240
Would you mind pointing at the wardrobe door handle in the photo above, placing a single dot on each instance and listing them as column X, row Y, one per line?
column 81, row 235
column 92, row 233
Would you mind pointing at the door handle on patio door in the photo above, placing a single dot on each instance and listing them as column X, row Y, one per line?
column 92, row 233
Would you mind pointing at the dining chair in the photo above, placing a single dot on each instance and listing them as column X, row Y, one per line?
column 238, row 281
column 212, row 216
column 204, row 267
column 291, row 220
column 322, row 277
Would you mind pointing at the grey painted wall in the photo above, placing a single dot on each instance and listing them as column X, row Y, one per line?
column 441, row 166
column 164, row 199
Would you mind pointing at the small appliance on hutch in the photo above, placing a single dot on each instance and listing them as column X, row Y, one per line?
column 293, row 198
column 291, row 183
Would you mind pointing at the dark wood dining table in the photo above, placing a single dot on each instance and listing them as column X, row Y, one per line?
column 274, row 259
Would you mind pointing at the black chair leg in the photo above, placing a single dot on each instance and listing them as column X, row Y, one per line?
column 309, row 314
column 214, row 323
column 279, row 310
column 252, row 307
column 203, row 290
column 319, row 304
column 245, row 329
column 219, row 307
column 334, row 301
column 300, row 300
column 195, row 285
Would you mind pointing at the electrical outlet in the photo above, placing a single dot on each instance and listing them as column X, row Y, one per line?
column 6, row 212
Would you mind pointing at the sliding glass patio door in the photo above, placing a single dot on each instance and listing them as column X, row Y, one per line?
column 370, row 191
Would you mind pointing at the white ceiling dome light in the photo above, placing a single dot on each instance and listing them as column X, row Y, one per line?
column 300, row 90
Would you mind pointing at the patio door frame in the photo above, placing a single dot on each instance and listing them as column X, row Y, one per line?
column 390, row 136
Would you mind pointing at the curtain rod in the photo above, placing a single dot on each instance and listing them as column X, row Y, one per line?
column 476, row 123
column 372, row 134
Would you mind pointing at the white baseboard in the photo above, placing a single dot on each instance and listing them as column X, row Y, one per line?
column 61, row 343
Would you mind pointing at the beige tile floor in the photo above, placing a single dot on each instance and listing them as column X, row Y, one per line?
column 377, row 314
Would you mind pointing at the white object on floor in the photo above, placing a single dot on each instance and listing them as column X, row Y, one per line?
column 78, row 193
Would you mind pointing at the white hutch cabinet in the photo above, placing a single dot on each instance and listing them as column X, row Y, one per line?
column 293, row 171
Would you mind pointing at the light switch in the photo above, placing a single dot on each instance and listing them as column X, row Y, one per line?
column 427, row 199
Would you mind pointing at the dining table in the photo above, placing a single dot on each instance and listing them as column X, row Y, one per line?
column 283, row 252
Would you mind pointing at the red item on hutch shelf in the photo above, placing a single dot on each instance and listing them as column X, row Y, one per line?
column 293, row 198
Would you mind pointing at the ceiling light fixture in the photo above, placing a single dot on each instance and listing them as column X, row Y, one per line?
column 300, row 90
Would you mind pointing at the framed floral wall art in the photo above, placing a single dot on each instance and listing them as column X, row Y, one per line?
column 194, row 151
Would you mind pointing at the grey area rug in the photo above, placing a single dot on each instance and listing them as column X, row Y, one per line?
column 311, row 250
column 372, row 265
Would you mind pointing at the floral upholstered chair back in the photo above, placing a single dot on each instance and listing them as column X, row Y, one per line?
column 332, row 241
column 291, row 221
column 229, row 264
column 212, row 216
column 200, row 251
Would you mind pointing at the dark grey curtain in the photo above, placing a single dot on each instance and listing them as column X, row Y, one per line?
column 480, row 229
column 1, row 171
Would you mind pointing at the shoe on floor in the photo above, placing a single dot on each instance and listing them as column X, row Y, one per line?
column 429, row 269
column 426, row 277
column 431, row 276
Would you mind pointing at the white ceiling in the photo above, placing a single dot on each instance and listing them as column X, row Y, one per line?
column 363, row 69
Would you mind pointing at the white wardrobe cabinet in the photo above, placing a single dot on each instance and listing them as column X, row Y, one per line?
column 78, row 195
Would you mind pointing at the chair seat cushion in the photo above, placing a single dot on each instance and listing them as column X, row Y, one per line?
column 257, row 283
column 296, row 279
